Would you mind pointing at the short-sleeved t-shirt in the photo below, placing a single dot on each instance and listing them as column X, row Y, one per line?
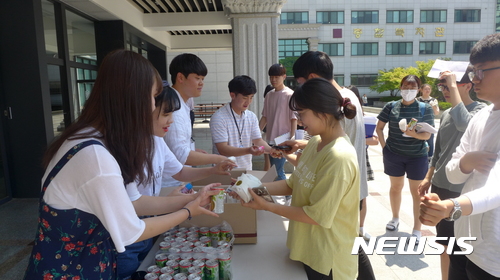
column 392, row 113
column 326, row 185
column 224, row 129
column 277, row 113
column 92, row 182
column 165, row 165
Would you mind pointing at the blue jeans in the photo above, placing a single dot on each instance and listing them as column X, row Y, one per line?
column 129, row 261
column 280, row 167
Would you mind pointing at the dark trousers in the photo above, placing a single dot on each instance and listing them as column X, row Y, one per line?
column 314, row 275
column 461, row 268
column 365, row 270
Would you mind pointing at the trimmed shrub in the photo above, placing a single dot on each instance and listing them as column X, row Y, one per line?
column 444, row 105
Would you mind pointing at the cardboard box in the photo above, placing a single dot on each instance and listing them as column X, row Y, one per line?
column 243, row 220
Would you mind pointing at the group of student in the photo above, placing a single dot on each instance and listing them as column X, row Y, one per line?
column 329, row 181
column 463, row 165
column 99, row 207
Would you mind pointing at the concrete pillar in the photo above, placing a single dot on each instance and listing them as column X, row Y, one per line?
column 255, row 41
column 313, row 43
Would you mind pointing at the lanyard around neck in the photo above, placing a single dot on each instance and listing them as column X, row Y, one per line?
column 236, row 123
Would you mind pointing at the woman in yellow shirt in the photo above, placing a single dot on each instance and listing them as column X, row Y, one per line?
column 324, row 187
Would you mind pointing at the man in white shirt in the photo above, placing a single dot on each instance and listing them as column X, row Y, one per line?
column 187, row 72
column 235, row 130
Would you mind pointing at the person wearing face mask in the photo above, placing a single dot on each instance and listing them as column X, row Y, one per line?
column 405, row 154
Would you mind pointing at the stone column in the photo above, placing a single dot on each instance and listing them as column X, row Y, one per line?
column 255, row 41
column 313, row 43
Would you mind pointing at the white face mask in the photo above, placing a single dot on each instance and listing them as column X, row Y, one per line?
column 409, row 94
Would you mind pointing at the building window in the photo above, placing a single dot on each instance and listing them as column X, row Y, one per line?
column 81, row 37
column 399, row 48
column 330, row 17
column 363, row 80
column 463, row 46
column 498, row 17
column 333, row 49
column 433, row 16
column 467, row 15
column 294, row 17
column 49, row 29
column 292, row 48
column 364, row 17
column 339, row 79
column 399, row 16
column 432, row 47
column 364, row 49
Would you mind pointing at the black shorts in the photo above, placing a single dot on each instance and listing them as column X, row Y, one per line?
column 397, row 165
column 444, row 228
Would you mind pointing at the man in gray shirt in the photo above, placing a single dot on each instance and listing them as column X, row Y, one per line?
column 454, row 121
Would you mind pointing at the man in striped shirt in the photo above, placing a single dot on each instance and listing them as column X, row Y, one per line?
column 235, row 130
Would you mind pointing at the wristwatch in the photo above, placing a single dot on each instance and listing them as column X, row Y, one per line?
column 456, row 212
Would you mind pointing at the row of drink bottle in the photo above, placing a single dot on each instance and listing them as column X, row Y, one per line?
column 194, row 254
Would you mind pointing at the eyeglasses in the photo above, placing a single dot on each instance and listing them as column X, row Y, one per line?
column 442, row 87
column 479, row 73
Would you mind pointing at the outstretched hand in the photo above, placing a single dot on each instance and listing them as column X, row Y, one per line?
column 177, row 191
column 199, row 205
column 223, row 167
column 256, row 150
column 257, row 202
column 276, row 153
column 294, row 144
column 432, row 209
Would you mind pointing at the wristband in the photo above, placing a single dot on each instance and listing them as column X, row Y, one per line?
column 189, row 213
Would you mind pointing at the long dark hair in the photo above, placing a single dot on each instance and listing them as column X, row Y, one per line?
column 119, row 108
column 321, row 97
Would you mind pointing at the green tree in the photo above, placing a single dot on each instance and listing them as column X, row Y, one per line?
column 423, row 69
column 389, row 80
column 288, row 63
